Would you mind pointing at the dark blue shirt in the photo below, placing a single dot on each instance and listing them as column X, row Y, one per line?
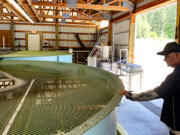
column 169, row 90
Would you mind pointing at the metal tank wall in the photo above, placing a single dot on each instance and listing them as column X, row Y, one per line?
column 107, row 126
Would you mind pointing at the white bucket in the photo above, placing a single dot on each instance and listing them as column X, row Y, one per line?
column 105, row 51
column 115, row 67
column 105, row 65
column 70, row 50
column 92, row 61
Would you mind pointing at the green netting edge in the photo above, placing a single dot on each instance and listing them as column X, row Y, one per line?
column 35, row 54
column 79, row 130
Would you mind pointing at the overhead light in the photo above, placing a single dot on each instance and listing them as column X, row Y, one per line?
column 19, row 9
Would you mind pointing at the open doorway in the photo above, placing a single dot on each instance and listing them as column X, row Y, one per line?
column 153, row 30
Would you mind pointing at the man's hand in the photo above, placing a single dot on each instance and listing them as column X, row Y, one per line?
column 123, row 92
column 128, row 94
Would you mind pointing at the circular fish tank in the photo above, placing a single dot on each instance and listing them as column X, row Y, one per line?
column 46, row 98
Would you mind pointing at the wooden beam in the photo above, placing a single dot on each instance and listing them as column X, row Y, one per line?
column 104, row 28
column 131, row 38
column 119, row 1
column 72, row 17
column 152, row 5
column 177, row 36
column 110, row 33
column 53, row 24
column 97, row 30
column 30, row 13
column 9, row 20
column 12, row 35
column 122, row 17
column 84, row 6
column 57, row 34
column 7, row 14
column 138, row 1
column 33, row 9
column 112, row 2
column 81, row 1
column 1, row 8
column 95, row 14
column 13, row 10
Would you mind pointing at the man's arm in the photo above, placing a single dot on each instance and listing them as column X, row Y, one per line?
column 140, row 96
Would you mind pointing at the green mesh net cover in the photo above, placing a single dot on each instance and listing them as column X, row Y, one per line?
column 64, row 98
column 34, row 53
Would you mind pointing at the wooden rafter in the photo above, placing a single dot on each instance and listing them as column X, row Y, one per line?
column 7, row 14
column 1, row 8
column 13, row 10
column 33, row 9
column 52, row 10
column 28, row 10
column 72, row 17
column 84, row 6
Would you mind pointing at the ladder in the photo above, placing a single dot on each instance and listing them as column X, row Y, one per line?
column 96, row 51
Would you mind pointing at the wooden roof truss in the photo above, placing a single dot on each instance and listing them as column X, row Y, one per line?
column 66, row 10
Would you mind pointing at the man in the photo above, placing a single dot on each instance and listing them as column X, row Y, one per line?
column 169, row 90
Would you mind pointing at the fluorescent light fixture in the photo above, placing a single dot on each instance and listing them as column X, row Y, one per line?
column 17, row 7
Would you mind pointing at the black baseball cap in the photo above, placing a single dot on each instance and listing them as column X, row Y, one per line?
column 169, row 48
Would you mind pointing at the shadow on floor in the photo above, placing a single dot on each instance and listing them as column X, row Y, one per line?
column 141, row 118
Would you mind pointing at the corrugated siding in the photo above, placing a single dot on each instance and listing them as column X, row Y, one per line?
column 49, row 35
column 4, row 26
column 77, row 29
column 104, row 33
column 72, row 37
column 35, row 27
column 120, row 31
column 121, row 36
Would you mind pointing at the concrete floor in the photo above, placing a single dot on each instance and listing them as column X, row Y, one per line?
column 141, row 118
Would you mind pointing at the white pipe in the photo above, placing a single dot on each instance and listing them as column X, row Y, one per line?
column 17, row 7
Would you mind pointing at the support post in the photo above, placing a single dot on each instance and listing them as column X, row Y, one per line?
column 57, row 35
column 12, row 34
column 131, row 38
column 97, row 30
column 110, row 33
column 177, row 36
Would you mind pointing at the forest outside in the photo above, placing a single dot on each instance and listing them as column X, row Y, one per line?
column 159, row 24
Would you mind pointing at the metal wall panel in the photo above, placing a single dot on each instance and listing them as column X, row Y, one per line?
column 121, row 27
column 19, row 35
column 4, row 26
column 35, row 27
column 120, row 36
column 49, row 36
column 77, row 29
column 23, row 28
column 72, row 37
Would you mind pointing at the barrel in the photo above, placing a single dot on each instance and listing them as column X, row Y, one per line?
column 105, row 65
column 105, row 52
column 115, row 68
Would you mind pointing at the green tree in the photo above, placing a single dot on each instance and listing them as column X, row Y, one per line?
column 143, row 27
column 169, row 29
column 160, row 23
